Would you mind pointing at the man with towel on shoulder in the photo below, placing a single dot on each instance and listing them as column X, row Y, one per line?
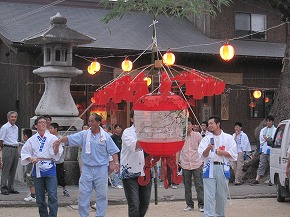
column 97, row 146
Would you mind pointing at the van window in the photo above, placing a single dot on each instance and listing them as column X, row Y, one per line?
column 279, row 136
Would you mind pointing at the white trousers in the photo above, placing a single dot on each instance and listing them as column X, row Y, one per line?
column 215, row 193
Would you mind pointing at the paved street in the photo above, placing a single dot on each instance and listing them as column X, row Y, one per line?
column 117, row 196
column 246, row 201
column 235, row 207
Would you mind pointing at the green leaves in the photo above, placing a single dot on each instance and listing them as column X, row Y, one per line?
column 169, row 8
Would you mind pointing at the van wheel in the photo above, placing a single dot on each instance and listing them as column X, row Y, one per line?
column 279, row 189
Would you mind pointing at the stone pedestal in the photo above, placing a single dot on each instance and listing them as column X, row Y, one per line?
column 71, row 165
column 57, row 99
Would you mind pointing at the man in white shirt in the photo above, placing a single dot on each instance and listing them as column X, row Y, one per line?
column 10, row 155
column 132, row 163
column 243, row 145
column 39, row 151
column 216, row 150
column 266, row 135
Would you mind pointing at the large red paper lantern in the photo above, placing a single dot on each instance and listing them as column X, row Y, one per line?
column 161, row 123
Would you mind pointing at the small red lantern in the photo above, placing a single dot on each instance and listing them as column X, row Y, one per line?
column 227, row 52
column 267, row 99
column 127, row 65
column 252, row 104
column 168, row 58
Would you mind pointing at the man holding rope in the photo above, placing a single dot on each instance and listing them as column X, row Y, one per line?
column 97, row 147
column 39, row 150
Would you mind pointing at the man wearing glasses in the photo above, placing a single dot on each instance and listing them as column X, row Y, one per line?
column 39, row 150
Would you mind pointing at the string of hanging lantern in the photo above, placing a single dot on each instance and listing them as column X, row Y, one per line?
column 168, row 105
column 227, row 51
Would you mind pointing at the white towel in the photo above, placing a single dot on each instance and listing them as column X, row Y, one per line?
column 88, row 139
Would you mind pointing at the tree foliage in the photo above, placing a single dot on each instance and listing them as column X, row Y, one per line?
column 282, row 5
column 281, row 103
column 169, row 8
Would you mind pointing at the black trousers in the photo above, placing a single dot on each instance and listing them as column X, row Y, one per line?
column 138, row 197
column 60, row 173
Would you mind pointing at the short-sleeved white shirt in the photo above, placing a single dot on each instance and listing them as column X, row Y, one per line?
column 9, row 134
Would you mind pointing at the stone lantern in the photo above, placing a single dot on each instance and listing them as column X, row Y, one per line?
column 58, row 41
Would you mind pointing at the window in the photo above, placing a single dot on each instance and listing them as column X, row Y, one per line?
column 57, row 55
column 48, row 53
column 61, row 55
column 246, row 24
column 260, row 108
column 279, row 136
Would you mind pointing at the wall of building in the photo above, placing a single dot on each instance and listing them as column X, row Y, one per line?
column 222, row 26
column 16, row 92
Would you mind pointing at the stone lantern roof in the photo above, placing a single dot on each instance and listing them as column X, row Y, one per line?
column 58, row 32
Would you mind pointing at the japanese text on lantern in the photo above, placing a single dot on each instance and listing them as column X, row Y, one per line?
column 166, row 125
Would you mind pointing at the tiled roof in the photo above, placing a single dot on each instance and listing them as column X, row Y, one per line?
column 132, row 32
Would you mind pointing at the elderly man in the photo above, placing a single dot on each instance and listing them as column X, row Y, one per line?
column 10, row 155
column 97, row 146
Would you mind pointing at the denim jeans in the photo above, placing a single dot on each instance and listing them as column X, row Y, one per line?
column 138, row 197
column 198, row 183
column 48, row 183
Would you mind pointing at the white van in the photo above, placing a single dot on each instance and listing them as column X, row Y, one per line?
column 278, row 160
